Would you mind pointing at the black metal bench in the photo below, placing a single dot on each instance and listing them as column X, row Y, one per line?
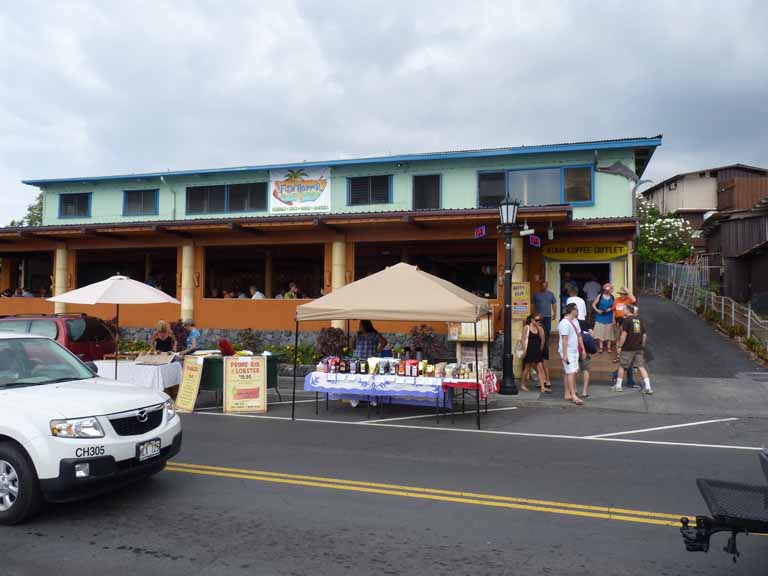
column 735, row 507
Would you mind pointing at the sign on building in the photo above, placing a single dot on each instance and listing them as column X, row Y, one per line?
column 585, row 251
column 300, row 191
column 521, row 300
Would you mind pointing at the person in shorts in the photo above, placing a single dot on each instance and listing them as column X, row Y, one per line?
column 571, row 349
column 631, row 349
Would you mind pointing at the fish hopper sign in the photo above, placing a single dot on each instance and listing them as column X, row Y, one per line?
column 585, row 251
column 300, row 191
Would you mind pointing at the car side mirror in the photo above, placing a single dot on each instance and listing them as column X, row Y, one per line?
column 92, row 367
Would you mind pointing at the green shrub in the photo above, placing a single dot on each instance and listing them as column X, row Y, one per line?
column 667, row 291
column 424, row 337
column 307, row 353
column 133, row 346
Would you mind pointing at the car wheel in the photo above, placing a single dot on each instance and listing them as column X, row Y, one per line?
column 20, row 495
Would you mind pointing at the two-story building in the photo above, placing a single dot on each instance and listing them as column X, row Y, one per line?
column 696, row 195
column 200, row 233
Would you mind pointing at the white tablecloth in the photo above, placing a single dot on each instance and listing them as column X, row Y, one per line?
column 154, row 377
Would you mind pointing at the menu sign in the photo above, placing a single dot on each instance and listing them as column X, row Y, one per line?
column 190, row 383
column 521, row 300
column 245, row 384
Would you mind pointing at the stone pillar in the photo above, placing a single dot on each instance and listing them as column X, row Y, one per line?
column 517, row 276
column 188, row 280
column 61, row 271
column 338, row 271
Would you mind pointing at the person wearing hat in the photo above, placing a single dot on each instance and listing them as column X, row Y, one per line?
column 603, row 307
column 193, row 337
column 619, row 306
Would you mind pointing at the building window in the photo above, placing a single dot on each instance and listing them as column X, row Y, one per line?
column 75, row 205
column 140, row 202
column 577, row 185
column 248, row 197
column 206, row 199
column 426, row 192
column 370, row 190
column 492, row 187
column 535, row 187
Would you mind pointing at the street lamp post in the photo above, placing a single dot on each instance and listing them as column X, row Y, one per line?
column 508, row 216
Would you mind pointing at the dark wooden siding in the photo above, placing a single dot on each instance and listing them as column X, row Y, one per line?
column 741, row 193
column 739, row 236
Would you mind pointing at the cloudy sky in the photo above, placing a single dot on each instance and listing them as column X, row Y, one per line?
column 91, row 88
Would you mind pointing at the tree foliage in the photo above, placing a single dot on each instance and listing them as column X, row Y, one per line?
column 663, row 237
column 34, row 215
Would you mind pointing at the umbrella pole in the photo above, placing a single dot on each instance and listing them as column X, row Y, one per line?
column 295, row 362
column 117, row 337
column 477, row 379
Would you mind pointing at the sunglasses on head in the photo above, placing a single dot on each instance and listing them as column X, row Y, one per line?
column 537, row 319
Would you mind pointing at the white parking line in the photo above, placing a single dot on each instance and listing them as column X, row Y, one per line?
column 466, row 413
column 661, row 428
column 491, row 432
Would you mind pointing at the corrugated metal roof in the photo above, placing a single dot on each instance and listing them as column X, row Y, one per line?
column 717, row 169
column 638, row 142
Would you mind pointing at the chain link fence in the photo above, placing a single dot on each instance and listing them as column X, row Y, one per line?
column 689, row 285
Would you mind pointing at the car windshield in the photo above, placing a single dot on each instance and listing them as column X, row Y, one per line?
column 35, row 361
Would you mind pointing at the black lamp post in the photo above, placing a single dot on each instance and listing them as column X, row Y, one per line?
column 508, row 216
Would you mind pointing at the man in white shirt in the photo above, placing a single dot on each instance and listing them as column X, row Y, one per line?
column 571, row 348
column 592, row 289
column 255, row 294
column 581, row 306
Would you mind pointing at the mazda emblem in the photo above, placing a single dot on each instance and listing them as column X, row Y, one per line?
column 141, row 416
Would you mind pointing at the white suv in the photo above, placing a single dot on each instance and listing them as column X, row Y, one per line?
column 65, row 433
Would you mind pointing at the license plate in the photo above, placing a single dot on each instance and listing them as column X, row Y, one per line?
column 148, row 449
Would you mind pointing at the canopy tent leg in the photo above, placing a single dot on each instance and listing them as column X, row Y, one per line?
column 477, row 380
column 490, row 345
column 295, row 362
column 117, row 337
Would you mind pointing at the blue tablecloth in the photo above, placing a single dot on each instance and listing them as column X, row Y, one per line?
column 397, row 389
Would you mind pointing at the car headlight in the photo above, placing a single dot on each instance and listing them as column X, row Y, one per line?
column 170, row 409
column 77, row 428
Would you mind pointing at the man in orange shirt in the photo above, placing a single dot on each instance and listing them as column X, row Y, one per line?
column 619, row 306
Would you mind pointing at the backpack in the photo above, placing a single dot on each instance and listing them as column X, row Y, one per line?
column 590, row 346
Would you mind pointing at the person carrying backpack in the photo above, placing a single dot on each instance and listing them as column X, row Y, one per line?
column 631, row 349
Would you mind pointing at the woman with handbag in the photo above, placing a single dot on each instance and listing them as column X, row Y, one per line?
column 532, row 353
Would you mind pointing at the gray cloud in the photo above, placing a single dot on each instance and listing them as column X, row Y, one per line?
column 90, row 88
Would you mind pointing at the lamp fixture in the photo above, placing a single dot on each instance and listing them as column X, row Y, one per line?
column 550, row 231
column 508, row 210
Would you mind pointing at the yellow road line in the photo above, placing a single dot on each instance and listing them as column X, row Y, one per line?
column 602, row 512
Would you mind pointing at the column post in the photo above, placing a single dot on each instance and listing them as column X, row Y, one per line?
column 518, row 275
column 61, row 271
column 188, row 280
column 268, row 274
column 338, row 271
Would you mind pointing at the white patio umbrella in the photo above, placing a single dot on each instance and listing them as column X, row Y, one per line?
column 116, row 290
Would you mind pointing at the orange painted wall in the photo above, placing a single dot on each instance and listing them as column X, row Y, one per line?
column 10, row 306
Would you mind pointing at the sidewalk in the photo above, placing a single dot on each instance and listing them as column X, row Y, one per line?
column 695, row 371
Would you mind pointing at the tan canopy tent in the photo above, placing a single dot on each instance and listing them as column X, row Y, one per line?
column 399, row 292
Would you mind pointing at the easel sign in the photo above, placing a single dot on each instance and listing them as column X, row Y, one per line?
column 245, row 384
column 190, row 383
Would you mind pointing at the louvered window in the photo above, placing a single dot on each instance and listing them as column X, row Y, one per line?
column 75, row 205
column 140, row 202
column 206, row 199
column 370, row 190
column 248, row 197
column 426, row 192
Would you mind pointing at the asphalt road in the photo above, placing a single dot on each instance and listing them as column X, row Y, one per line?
column 253, row 518
column 544, row 488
